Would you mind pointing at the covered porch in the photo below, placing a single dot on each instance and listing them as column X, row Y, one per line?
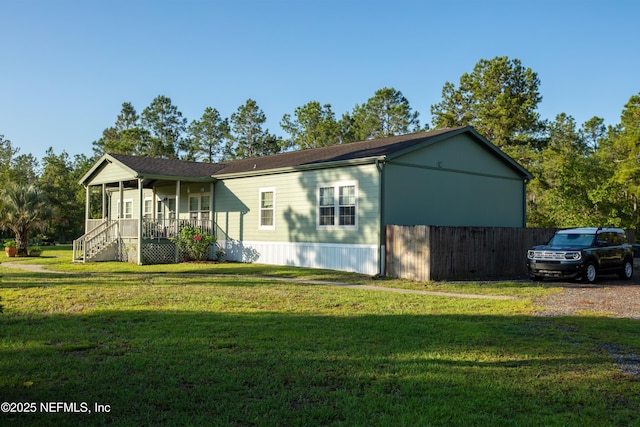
column 132, row 215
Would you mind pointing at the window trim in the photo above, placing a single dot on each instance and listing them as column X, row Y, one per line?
column 163, row 208
column 262, row 191
column 124, row 209
column 199, row 211
column 336, row 205
column 191, row 212
column 147, row 214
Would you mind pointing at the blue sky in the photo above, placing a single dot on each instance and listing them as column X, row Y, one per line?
column 67, row 66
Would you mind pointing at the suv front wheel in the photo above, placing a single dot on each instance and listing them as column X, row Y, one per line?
column 589, row 274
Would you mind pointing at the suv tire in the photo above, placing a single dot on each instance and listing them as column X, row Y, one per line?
column 627, row 270
column 590, row 272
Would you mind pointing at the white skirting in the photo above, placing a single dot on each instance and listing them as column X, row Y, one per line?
column 334, row 256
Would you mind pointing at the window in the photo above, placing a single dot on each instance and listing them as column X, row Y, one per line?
column 267, row 208
column 199, row 207
column 327, row 208
column 171, row 206
column 148, row 208
column 159, row 210
column 194, row 205
column 166, row 208
column 205, row 207
column 127, row 212
column 347, row 205
column 337, row 205
column 128, row 209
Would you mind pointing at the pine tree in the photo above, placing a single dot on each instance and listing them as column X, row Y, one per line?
column 499, row 98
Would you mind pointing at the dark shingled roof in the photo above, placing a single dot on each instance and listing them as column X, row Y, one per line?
column 350, row 151
column 149, row 166
column 156, row 168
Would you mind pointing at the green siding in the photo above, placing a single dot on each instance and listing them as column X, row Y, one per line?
column 126, row 195
column 237, row 206
column 168, row 190
column 461, row 153
column 111, row 172
column 454, row 183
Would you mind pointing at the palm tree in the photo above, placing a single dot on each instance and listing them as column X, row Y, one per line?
column 23, row 210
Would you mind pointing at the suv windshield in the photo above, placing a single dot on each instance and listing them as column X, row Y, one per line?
column 572, row 240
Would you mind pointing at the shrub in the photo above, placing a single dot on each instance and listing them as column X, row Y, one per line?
column 194, row 242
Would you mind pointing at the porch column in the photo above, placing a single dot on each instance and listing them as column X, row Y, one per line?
column 154, row 204
column 121, row 195
column 177, row 216
column 177, row 206
column 87, row 209
column 140, row 218
column 211, row 210
column 104, row 201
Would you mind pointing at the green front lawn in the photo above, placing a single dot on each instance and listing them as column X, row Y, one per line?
column 195, row 344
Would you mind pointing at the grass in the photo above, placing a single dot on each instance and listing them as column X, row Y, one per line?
column 213, row 344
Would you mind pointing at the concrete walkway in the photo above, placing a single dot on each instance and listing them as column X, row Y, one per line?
column 35, row 268
column 377, row 288
column 434, row 293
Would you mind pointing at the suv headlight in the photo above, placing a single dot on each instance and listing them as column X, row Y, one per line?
column 530, row 254
column 573, row 255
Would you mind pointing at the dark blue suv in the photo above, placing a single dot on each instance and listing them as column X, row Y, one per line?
column 582, row 253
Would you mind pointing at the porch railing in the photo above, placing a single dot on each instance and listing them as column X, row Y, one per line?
column 128, row 226
column 94, row 223
column 166, row 229
column 101, row 234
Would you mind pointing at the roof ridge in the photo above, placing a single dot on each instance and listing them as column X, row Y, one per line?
column 348, row 145
column 366, row 148
column 311, row 157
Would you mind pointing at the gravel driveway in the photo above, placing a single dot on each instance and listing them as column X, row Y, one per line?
column 608, row 296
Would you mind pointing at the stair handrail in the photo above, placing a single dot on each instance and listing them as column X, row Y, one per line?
column 97, row 242
column 90, row 243
column 79, row 243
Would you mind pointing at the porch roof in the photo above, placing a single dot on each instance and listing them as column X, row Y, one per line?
column 154, row 169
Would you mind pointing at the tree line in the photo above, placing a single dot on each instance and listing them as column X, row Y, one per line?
column 162, row 131
column 585, row 174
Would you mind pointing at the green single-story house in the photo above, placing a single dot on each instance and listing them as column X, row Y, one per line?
column 324, row 207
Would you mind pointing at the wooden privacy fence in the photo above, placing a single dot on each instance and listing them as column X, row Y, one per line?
column 422, row 252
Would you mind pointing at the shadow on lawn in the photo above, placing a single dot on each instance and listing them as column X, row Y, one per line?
column 288, row 369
